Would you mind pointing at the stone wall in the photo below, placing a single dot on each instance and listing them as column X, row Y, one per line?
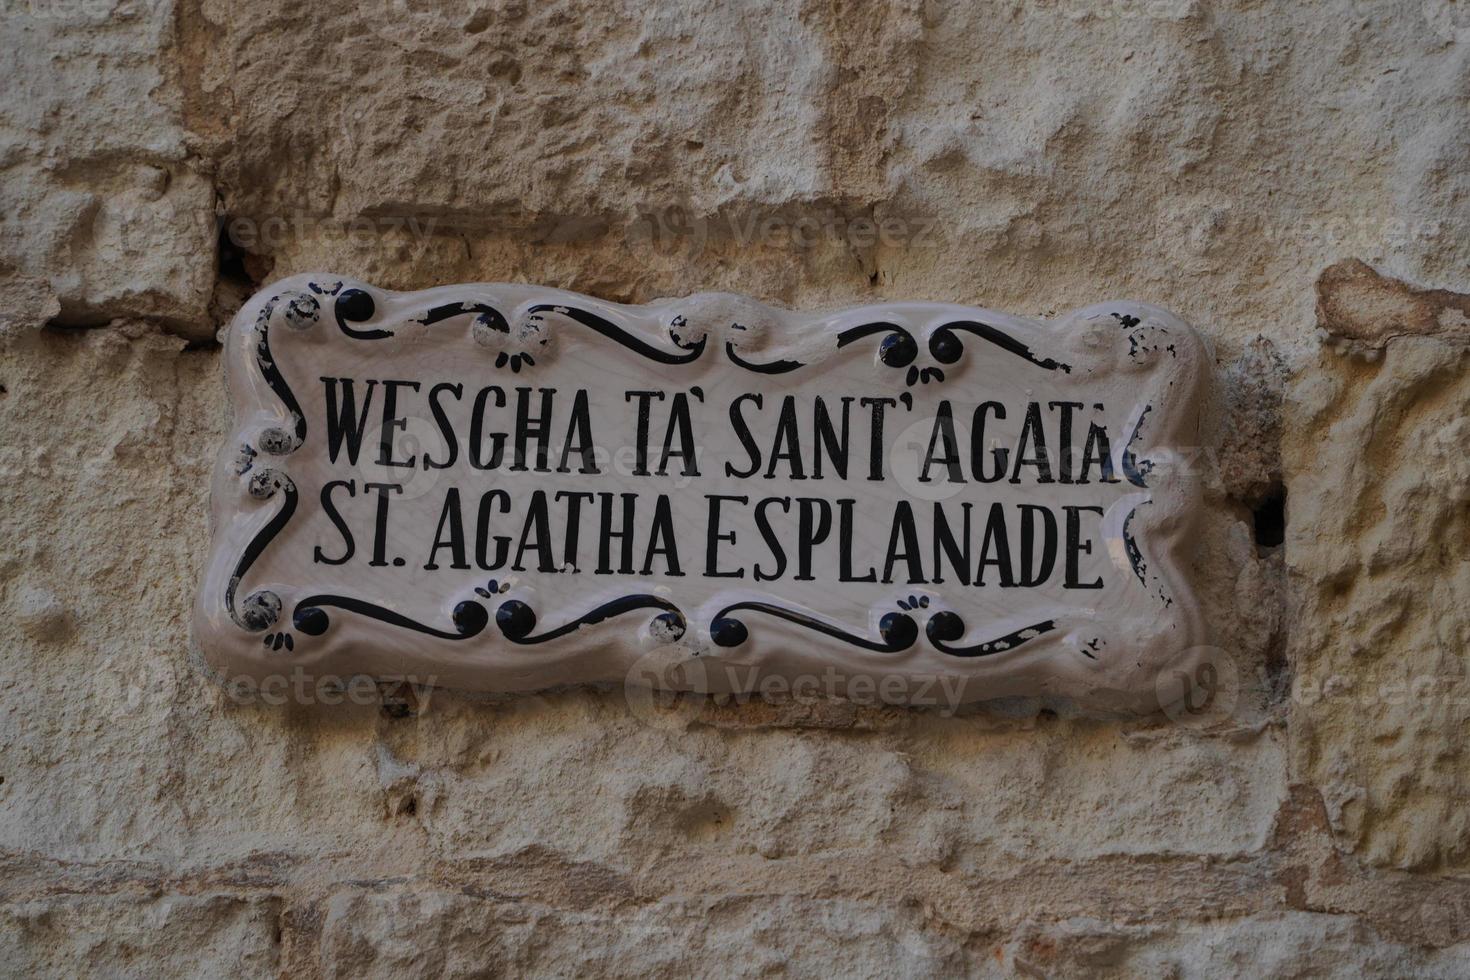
column 1293, row 178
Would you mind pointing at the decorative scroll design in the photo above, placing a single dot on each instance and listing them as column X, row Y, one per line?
column 310, row 616
column 485, row 314
column 1134, row 469
column 771, row 367
column 897, row 629
column 357, row 306
column 260, row 610
column 945, row 627
column 692, row 351
column 1137, row 470
column 517, row 619
column 946, row 347
column 276, row 441
column 898, row 349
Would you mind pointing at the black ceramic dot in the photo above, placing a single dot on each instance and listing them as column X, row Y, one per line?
column 945, row 346
column 945, row 627
column 898, row 350
column 302, row 311
column 355, row 305
column 515, row 619
column 898, row 630
column 275, row 441
column 728, row 632
column 263, row 484
column 260, row 610
column 311, row 620
column 470, row 617
column 669, row 626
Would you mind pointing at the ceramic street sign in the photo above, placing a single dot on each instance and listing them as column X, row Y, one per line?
column 507, row 488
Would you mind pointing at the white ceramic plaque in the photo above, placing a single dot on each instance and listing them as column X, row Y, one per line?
column 509, row 488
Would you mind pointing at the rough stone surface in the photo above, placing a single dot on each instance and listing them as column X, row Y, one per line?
column 1355, row 304
column 119, row 936
column 104, row 195
column 1291, row 177
column 1381, row 583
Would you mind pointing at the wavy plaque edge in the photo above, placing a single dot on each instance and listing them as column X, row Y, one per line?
column 1102, row 664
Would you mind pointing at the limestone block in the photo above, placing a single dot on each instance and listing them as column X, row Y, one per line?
column 960, row 793
column 1211, row 156
column 140, row 936
column 1374, row 457
column 100, row 195
column 1018, row 155
column 444, row 933
column 1296, row 944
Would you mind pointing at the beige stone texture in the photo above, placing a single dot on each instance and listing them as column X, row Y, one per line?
column 1293, row 178
column 1381, row 577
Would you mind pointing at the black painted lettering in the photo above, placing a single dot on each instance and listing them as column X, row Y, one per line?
column 875, row 445
column 348, row 545
column 772, row 539
column 446, row 430
column 344, row 422
column 535, row 536
column 452, row 521
column 393, row 424
column 943, row 432
column 1098, row 450
column 813, row 525
column 1000, row 454
column 742, row 432
column 1033, row 434
column 904, row 534
column 680, row 423
column 623, row 535
column 580, row 427
column 827, row 441
column 845, row 522
column 380, row 522
column 645, row 402
column 574, row 498
column 787, row 444
column 714, row 537
column 661, row 540
column 528, row 427
column 996, row 540
column 947, row 546
column 477, row 430
column 488, row 500
column 1078, row 545
column 1064, row 428
column 1033, row 575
